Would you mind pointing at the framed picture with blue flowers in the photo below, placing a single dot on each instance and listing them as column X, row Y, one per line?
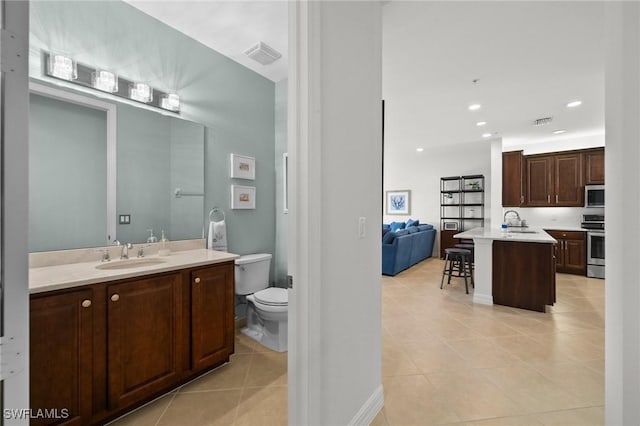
column 399, row 202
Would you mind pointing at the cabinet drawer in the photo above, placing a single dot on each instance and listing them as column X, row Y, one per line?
column 567, row 235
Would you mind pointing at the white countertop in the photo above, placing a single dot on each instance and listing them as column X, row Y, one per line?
column 63, row 276
column 564, row 228
column 496, row 234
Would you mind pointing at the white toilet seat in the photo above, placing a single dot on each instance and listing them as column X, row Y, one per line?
column 272, row 296
column 274, row 309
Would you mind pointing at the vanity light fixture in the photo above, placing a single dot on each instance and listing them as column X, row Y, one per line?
column 105, row 81
column 559, row 131
column 141, row 92
column 171, row 102
column 65, row 68
column 474, row 107
column 481, row 123
column 62, row 67
column 574, row 104
column 419, row 149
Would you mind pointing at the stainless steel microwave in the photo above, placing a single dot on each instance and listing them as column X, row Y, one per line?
column 594, row 196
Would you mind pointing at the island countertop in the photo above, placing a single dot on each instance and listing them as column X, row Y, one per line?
column 534, row 235
column 70, row 275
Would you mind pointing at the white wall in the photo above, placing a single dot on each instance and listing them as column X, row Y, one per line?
column 622, row 292
column 557, row 144
column 335, row 155
column 421, row 172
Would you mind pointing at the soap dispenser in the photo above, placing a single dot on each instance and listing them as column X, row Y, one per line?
column 152, row 238
column 164, row 245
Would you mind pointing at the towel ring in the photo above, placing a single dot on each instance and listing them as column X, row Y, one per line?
column 214, row 211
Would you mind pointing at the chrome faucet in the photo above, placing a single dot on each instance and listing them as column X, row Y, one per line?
column 517, row 217
column 124, row 254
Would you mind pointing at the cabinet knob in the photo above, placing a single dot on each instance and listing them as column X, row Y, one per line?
column 197, row 280
column 86, row 303
column 115, row 297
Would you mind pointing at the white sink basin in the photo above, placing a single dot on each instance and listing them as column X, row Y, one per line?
column 130, row 263
column 522, row 231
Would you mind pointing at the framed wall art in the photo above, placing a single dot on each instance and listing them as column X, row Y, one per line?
column 243, row 167
column 243, row 197
column 399, row 202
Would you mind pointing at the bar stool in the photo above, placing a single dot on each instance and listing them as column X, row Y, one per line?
column 470, row 247
column 460, row 259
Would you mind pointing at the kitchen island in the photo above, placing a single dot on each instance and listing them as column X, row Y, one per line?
column 514, row 268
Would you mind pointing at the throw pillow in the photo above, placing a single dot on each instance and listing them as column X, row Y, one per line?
column 388, row 238
column 412, row 222
column 395, row 226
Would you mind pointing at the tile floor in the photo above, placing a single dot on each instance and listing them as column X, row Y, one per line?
column 445, row 361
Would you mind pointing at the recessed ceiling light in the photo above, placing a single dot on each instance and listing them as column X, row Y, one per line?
column 481, row 123
column 486, row 135
column 557, row 132
column 474, row 107
column 419, row 149
column 574, row 104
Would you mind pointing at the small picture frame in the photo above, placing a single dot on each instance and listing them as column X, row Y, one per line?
column 451, row 226
column 399, row 202
column 243, row 167
column 243, row 197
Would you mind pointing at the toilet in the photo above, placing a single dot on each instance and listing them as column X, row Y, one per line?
column 267, row 307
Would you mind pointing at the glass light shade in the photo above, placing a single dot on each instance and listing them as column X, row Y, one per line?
column 105, row 81
column 62, row 67
column 171, row 102
column 141, row 92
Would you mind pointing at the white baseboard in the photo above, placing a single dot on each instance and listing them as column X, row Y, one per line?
column 369, row 409
column 483, row 299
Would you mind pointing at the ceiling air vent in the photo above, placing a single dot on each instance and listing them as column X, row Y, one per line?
column 542, row 121
column 263, row 53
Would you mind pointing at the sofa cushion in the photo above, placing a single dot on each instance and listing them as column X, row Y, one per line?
column 397, row 225
column 401, row 232
column 386, row 226
column 425, row 227
column 412, row 222
column 388, row 237
column 412, row 229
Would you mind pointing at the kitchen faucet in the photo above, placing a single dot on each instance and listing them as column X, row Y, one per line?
column 511, row 211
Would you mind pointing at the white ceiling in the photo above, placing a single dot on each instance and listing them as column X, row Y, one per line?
column 530, row 57
column 229, row 27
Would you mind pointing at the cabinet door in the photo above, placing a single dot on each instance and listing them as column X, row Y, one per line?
column 575, row 259
column 512, row 188
column 61, row 355
column 142, row 318
column 539, row 181
column 568, row 188
column 212, row 316
column 594, row 167
column 447, row 240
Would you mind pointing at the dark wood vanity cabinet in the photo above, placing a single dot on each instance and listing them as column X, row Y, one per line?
column 143, row 319
column 61, row 356
column 101, row 350
column 212, row 316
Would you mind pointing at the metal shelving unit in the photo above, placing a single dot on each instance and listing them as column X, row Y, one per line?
column 461, row 202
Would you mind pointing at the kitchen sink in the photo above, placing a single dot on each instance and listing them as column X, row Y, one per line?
column 130, row 263
column 522, row 231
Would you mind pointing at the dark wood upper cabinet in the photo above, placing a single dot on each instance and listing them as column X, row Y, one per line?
column 142, row 342
column 512, row 185
column 539, row 190
column 594, row 167
column 61, row 354
column 568, row 186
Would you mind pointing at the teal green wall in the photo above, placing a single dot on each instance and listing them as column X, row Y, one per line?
column 282, row 222
column 67, row 175
column 234, row 102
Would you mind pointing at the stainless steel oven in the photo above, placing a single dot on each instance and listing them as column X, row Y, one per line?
column 595, row 253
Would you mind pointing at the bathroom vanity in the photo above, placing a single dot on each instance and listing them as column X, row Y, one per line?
column 108, row 337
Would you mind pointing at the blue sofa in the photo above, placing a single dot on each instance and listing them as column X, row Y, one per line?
column 404, row 248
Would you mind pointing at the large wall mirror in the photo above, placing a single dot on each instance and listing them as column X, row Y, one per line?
column 93, row 162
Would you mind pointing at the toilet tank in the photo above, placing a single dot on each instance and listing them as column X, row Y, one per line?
column 252, row 273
